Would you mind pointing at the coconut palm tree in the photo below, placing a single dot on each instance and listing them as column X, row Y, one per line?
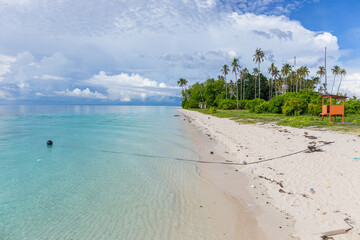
column 285, row 71
column 304, row 73
column 244, row 74
column 335, row 71
column 259, row 57
column 182, row 83
column 276, row 80
column 342, row 74
column 225, row 70
column 235, row 65
column 271, row 70
column 255, row 73
column 321, row 72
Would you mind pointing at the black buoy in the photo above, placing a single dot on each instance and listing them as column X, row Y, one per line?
column 49, row 143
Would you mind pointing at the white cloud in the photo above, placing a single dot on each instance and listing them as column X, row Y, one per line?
column 350, row 84
column 77, row 92
column 163, row 40
column 126, row 87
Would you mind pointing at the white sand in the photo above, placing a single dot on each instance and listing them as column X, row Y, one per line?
column 334, row 174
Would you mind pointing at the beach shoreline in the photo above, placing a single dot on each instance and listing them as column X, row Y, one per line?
column 249, row 215
column 301, row 196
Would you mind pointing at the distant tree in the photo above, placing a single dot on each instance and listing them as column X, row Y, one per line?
column 236, row 68
column 285, row 71
column 244, row 74
column 335, row 71
column 342, row 74
column 225, row 70
column 259, row 57
column 256, row 73
column 272, row 70
column 321, row 72
column 182, row 83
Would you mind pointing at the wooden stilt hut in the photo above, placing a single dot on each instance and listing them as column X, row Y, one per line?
column 334, row 106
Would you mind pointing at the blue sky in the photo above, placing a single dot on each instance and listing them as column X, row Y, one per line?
column 133, row 52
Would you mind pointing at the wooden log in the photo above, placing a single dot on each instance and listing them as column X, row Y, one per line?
column 335, row 232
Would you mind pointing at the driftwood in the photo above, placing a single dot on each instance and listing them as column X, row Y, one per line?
column 326, row 235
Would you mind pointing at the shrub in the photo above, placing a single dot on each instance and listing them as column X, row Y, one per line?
column 251, row 104
column 291, row 108
column 227, row 104
column 314, row 109
column 212, row 110
column 262, row 107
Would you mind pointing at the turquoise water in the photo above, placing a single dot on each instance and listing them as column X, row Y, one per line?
column 74, row 190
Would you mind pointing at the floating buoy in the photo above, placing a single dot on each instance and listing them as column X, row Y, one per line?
column 49, row 143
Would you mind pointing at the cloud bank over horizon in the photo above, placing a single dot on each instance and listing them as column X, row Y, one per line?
column 123, row 52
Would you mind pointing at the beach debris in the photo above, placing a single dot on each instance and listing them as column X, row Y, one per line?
column 201, row 206
column 356, row 158
column 176, row 115
column 49, row 142
column 313, row 148
column 252, row 186
column 244, row 162
column 211, row 152
column 281, row 191
column 312, row 190
column 284, row 131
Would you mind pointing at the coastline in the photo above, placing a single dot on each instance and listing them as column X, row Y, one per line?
column 234, row 185
column 276, row 193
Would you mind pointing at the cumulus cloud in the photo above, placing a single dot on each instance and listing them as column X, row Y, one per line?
column 125, row 87
column 27, row 75
column 351, row 84
column 86, row 93
column 150, row 43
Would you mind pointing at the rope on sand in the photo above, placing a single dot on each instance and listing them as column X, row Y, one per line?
column 228, row 162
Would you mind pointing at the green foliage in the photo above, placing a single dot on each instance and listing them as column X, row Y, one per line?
column 352, row 106
column 252, row 104
column 314, row 109
column 227, row 104
column 291, row 108
column 212, row 110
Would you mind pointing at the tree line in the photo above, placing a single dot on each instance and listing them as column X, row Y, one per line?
column 254, row 85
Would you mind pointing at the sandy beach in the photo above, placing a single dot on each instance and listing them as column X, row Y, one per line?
column 292, row 183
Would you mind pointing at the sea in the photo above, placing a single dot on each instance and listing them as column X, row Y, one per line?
column 113, row 172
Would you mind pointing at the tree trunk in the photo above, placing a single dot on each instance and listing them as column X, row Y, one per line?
column 259, row 82
column 237, row 93
column 339, row 85
column 333, row 84
column 225, row 87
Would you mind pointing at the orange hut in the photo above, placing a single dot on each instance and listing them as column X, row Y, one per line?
column 333, row 105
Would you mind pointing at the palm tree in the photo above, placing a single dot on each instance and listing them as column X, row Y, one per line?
column 235, row 65
column 321, row 72
column 304, row 73
column 182, row 83
column 285, row 70
column 335, row 71
column 225, row 70
column 255, row 73
column 342, row 74
column 259, row 57
column 271, row 70
column 276, row 80
column 244, row 74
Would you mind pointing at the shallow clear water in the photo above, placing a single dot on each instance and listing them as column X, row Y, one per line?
column 74, row 190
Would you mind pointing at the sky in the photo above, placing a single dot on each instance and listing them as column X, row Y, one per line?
column 134, row 51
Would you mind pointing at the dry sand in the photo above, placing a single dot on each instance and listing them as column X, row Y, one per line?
column 296, row 196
